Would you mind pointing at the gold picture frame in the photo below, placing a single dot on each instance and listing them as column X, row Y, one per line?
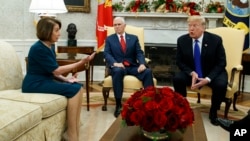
column 78, row 5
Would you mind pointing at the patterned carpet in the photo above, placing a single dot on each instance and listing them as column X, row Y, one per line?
column 96, row 99
column 100, row 121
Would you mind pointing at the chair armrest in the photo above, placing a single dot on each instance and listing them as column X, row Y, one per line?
column 107, row 70
column 234, row 70
column 147, row 60
column 238, row 67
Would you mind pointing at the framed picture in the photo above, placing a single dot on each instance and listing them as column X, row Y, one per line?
column 78, row 5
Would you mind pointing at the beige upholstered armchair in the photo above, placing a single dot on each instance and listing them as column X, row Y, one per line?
column 130, row 82
column 233, row 40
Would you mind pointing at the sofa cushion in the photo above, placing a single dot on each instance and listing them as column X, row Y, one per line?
column 50, row 103
column 11, row 75
column 17, row 118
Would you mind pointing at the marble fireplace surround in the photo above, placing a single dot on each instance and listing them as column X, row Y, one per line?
column 165, row 28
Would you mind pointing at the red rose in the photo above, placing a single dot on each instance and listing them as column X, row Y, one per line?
column 154, row 109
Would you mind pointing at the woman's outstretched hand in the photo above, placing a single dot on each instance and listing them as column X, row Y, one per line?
column 88, row 58
column 91, row 57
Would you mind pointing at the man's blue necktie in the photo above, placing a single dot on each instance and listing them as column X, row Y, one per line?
column 197, row 59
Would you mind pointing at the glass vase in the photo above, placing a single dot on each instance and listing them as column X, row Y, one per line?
column 160, row 135
column 164, row 135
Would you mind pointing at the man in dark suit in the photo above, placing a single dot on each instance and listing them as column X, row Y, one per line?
column 231, row 125
column 239, row 129
column 123, row 57
column 212, row 64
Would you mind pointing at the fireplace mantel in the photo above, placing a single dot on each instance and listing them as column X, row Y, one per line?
column 212, row 18
column 165, row 15
column 165, row 28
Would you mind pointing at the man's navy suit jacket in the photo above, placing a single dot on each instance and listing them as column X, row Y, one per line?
column 113, row 51
column 213, row 57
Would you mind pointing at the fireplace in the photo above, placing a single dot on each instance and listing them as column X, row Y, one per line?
column 162, row 62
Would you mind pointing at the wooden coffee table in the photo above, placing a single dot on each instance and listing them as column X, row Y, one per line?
column 116, row 132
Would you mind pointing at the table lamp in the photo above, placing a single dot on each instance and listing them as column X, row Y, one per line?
column 47, row 7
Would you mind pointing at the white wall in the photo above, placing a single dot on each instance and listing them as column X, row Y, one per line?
column 18, row 24
column 17, row 27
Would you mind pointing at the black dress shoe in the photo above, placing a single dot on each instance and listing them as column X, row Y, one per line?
column 117, row 111
column 225, row 123
column 214, row 121
column 213, row 118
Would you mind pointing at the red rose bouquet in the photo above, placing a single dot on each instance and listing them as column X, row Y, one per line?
column 154, row 109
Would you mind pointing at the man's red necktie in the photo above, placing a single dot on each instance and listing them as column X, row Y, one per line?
column 123, row 44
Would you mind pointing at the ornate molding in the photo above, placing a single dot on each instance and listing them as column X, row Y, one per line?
column 165, row 15
column 173, row 21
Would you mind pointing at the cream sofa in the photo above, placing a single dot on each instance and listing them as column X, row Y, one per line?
column 26, row 116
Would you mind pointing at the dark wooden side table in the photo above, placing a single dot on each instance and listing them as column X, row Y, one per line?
column 76, row 50
column 246, row 68
column 116, row 132
column 64, row 61
column 64, row 57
